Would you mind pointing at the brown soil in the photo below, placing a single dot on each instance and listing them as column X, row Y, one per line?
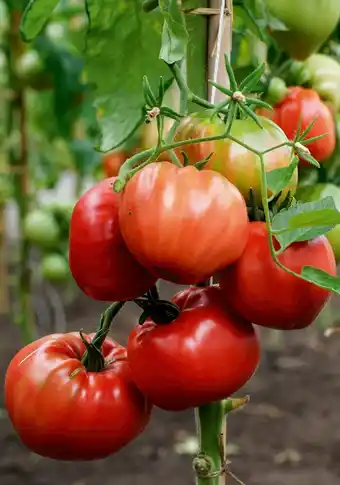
column 288, row 434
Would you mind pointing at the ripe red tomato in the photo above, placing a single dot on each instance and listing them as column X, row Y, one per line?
column 113, row 161
column 62, row 411
column 240, row 166
column 99, row 260
column 259, row 290
column 182, row 224
column 205, row 355
column 307, row 105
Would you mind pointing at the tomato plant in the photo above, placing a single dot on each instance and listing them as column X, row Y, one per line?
column 305, row 105
column 259, row 290
column 178, row 364
column 99, row 260
column 239, row 165
column 181, row 223
column 61, row 410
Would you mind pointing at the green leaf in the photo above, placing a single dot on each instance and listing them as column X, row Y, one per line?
column 123, row 44
column 279, row 178
column 281, row 222
column 175, row 36
column 316, row 218
column 321, row 278
column 35, row 16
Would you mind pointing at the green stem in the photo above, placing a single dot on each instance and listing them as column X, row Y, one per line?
column 104, row 327
column 273, row 252
column 209, row 464
column 19, row 164
column 209, row 421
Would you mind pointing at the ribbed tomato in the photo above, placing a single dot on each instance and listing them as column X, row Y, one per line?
column 205, row 355
column 259, row 290
column 236, row 163
column 182, row 224
column 62, row 411
column 305, row 104
column 99, row 260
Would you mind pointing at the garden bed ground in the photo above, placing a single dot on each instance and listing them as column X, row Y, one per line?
column 288, row 434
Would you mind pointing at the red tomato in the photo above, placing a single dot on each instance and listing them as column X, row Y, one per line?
column 99, row 260
column 113, row 161
column 259, row 290
column 239, row 165
column 307, row 105
column 62, row 411
column 183, row 224
column 205, row 355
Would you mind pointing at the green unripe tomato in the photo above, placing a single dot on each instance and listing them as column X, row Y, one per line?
column 54, row 268
column 304, row 25
column 41, row 228
column 324, row 77
column 320, row 191
column 29, row 65
column 277, row 90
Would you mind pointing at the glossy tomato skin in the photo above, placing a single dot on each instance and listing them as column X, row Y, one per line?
column 181, row 223
column 240, row 166
column 307, row 105
column 62, row 411
column 205, row 355
column 113, row 161
column 260, row 291
column 99, row 260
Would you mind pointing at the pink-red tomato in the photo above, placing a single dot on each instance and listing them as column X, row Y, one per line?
column 100, row 262
column 62, row 411
column 306, row 105
column 182, row 224
column 205, row 355
column 259, row 290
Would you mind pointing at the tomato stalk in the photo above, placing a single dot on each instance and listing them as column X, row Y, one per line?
column 93, row 358
column 211, row 462
column 19, row 164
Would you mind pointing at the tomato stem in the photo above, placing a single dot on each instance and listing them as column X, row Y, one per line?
column 211, row 464
column 101, row 334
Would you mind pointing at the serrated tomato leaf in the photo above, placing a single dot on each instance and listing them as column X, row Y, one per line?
column 175, row 35
column 281, row 222
column 122, row 45
column 35, row 16
column 321, row 278
column 279, row 178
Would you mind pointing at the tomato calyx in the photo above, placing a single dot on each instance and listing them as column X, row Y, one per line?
column 94, row 361
column 256, row 213
column 160, row 311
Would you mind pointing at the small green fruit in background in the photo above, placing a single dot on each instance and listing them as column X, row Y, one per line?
column 300, row 27
column 317, row 192
column 54, row 268
column 41, row 228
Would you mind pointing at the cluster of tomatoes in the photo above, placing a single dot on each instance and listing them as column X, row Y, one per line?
column 184, row 225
